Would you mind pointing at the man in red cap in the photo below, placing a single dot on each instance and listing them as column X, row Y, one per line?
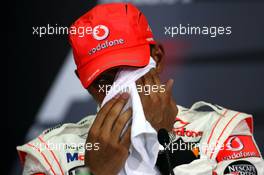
column 118, row 35
column 121, row 37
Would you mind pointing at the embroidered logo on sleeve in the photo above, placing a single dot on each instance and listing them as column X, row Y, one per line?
column 241, row 167
column 237, row 147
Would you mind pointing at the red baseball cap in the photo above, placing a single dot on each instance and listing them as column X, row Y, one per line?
column 114, row 34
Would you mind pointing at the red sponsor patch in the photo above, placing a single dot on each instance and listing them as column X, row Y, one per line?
column 237, row 147
column 180, row 130
column 183, row 132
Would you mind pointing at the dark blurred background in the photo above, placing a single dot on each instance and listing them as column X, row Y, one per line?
column 43, row 91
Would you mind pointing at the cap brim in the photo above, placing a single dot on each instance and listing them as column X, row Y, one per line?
column 137, row 56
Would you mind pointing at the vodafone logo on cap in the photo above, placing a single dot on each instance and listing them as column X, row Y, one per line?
column 100, row 32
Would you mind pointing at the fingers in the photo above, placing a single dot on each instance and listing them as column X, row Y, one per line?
column 102, row 113
column 126, row 141
column 149, row 85
column 120, row 124
column 147, row 79
column 155, row 77
column 114, row 112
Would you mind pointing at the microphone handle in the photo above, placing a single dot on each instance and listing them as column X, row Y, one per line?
column 169, row 163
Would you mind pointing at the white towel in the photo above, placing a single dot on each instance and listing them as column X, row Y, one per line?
column 144, row 143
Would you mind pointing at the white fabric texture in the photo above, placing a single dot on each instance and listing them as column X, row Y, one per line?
column 32, row 165
column 201, row 166
column 144, row 144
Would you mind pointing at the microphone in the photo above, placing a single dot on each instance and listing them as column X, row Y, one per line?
column 164, row 140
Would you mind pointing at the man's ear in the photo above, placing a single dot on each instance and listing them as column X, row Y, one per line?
column 157, row 53
column 76, row 73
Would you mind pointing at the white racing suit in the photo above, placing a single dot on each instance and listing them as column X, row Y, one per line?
column 223, row 144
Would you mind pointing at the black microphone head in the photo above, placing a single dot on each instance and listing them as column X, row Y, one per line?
column 163, row 137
